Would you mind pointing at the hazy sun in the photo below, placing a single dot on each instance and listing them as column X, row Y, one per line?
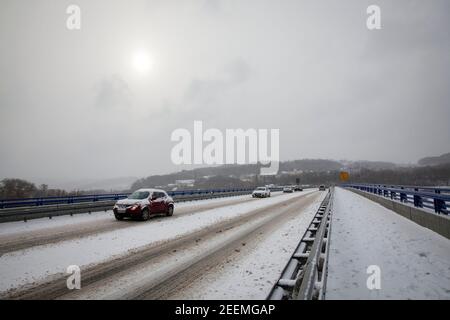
column 141, row 62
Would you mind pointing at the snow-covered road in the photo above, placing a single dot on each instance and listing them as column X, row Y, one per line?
column 253, row 274
column 47, row 263
column 19, row 235
column 19, row 227
column 414, row 262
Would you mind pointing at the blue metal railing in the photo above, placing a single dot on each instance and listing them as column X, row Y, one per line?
column 32, row 202
column 435, row 198
column 206, row 191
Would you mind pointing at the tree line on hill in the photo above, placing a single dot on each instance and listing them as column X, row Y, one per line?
column 428, row 171
column 306, row 171
column 424, row 176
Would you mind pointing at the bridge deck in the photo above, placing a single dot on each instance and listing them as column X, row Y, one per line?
column 414, row 261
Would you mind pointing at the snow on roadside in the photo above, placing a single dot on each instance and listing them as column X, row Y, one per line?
column 34, row 264
column 252, row 275
column 414, row 261
column 9, row 228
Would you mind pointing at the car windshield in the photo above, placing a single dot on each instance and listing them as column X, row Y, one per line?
column 261, row 188
column 139, row 195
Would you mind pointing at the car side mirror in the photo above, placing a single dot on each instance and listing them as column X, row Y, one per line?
column 153, row 198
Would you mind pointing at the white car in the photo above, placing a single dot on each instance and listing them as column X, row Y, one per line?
column 288, row 189
column 261, row 192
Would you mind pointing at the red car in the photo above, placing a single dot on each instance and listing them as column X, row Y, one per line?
column 143, row 203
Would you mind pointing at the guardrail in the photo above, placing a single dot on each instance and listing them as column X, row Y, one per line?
column 304, row 277
column 435, row 198
column 33, row 208
column 43, row 201
column 35, row 202
column 438, row 190
column 206, row 191
column 25, row 209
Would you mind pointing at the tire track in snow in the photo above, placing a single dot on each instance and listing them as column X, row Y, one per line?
column 55, row 286
column 10, row 243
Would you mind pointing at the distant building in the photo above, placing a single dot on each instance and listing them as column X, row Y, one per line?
column 185, row 183
column 247, row 177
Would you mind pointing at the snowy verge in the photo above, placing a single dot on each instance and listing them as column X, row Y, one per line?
column 414, row 261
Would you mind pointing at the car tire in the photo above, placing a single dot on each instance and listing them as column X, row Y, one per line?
column 118, row 217
column 169, row 211
column 145, row 215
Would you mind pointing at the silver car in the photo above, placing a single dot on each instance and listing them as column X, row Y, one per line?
column 261, row 192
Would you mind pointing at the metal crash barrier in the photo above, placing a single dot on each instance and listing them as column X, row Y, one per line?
column 33, row 208
column 304, row 277
column 435, row 198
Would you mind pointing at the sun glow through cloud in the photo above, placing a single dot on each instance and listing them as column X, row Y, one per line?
column 141, row 62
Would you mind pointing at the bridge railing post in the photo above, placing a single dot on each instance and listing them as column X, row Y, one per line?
column 418, row 201
column 439, row 206
column 403, row 197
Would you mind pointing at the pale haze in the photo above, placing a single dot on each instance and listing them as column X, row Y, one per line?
column 101, row 102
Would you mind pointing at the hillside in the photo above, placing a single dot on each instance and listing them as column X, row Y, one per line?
column 435, row 161
column 247, row 175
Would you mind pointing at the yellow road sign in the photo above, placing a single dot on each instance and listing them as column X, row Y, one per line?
column 344, row 176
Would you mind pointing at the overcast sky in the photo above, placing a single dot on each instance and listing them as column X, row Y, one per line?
column 72, row 106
